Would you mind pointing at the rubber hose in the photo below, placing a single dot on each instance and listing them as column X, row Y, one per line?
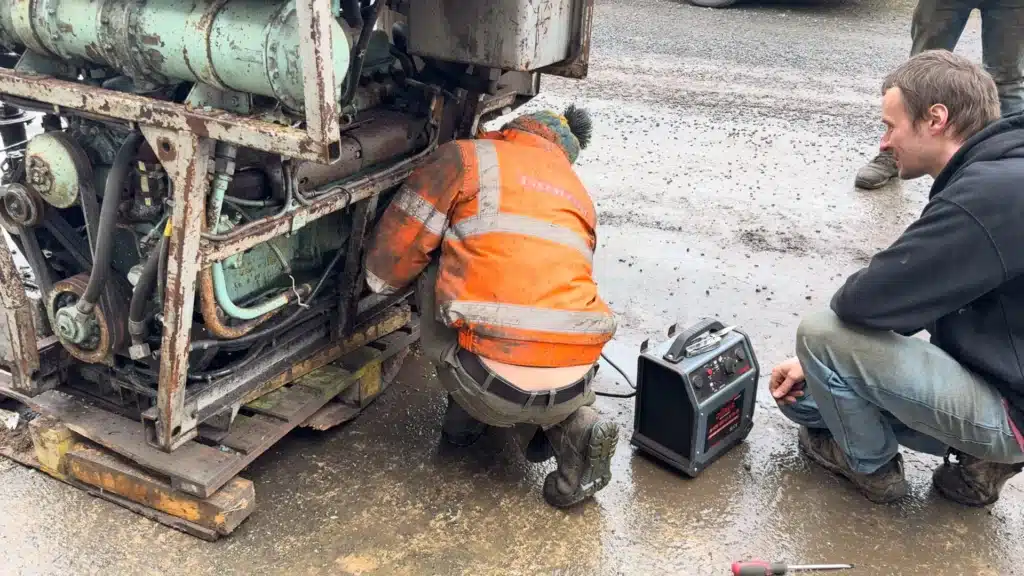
column 143, row 290
column 161, row 270
column 108, row 221
column 356, row 68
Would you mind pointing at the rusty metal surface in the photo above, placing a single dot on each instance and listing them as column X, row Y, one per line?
column 330, row 201
column 193, row 467
column 212, row 318
column 111, row 316
column 315, row 51
column 185, row 157
column 578, row 63
column 221, row 512
column 384, row 135
column 18, row 346
column 212, row 124
column 350, row 278
column 504, row 34
column 393, row 320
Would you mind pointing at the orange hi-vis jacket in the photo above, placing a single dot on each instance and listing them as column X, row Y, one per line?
column 516, row 230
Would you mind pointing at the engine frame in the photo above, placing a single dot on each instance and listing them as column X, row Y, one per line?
column 183, row 138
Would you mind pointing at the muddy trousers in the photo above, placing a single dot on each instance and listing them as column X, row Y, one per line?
column 938, row 24
column 440, row 344
column 877, row 390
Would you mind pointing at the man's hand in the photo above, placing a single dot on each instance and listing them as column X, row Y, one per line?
column 787, row 382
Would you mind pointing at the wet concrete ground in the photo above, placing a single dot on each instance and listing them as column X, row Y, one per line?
column 723, row 161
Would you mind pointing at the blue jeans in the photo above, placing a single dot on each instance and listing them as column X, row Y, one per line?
column 938, row 24
column 877, row 390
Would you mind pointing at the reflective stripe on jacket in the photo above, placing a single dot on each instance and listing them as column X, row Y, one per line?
column 516, row 230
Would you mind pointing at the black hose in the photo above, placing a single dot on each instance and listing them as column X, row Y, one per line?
column 352, row 13
column 143, row 290
column 356, row 69
column 161, row 271
column 108, row 221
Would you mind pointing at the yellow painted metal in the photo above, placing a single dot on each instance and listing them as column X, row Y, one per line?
column 51, row 440
column 222, row 512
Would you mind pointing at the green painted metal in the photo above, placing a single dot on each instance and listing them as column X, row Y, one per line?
column 239, row 45
column 235, row 311
column 52, row 171
column 259, row 270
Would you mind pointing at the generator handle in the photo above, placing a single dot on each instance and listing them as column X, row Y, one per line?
column 677, row 351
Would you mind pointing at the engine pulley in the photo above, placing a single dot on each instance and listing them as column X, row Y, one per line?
column 20, row 208
column 92, row 338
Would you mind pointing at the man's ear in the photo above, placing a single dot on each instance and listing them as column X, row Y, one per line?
column 938, row 119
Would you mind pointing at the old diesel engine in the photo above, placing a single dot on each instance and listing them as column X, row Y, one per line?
column 190, row 182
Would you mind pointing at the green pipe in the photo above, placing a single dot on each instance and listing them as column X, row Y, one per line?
column 245, row 46
column 220, row 291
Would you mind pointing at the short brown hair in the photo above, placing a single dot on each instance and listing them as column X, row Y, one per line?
column 941, row 77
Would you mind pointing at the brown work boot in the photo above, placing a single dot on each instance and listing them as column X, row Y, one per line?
column 459, row 427
column 878, row 172
column 883, row 486
column 972, row 481
column 584, row 445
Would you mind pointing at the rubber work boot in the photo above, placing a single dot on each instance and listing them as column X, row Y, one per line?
column 459, row 427
column 972, row 481
column 883, row 486
column 583, row 445
column 878, row 172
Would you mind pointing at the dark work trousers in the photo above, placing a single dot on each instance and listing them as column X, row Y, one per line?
column 938, row 25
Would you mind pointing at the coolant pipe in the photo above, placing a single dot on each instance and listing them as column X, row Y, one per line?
column 108, row 222
column 212, row 318
column 231, row 309
column 224, row 172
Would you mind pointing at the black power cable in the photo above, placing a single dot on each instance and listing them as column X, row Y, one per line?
column 624, row 375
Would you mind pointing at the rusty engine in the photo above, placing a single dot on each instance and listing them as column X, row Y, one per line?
column 191, row 182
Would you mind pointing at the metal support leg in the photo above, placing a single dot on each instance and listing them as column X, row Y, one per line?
column 352, row 274
column 18, row 345
column 185, row 156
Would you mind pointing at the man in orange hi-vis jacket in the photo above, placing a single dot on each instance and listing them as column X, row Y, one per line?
column 499, row 234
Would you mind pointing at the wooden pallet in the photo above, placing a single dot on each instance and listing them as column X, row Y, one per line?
column 195, row 488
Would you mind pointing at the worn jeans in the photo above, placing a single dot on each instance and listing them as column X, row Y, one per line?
column 938, row 24
column 877, row 390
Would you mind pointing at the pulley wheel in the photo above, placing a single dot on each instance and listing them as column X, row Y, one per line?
column 96, row 341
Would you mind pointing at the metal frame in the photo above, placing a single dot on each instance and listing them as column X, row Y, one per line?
column 183, row 138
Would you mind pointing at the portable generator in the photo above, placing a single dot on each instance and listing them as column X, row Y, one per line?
column 695, row 395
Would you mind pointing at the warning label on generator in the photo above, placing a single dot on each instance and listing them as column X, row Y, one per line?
column 724, row 420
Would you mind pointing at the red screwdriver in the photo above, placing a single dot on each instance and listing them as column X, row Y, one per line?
column 762, row 568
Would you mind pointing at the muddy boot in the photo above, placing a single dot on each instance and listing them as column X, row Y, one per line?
column 583, row 445
column 883, row 486
column 878, row 172
column 972, row 481
column 459, row 427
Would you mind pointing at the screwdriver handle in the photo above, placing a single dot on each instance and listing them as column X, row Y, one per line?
column 758, row 568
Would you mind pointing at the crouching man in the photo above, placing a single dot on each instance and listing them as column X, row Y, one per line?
column 861, row 385
column 510, row 313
